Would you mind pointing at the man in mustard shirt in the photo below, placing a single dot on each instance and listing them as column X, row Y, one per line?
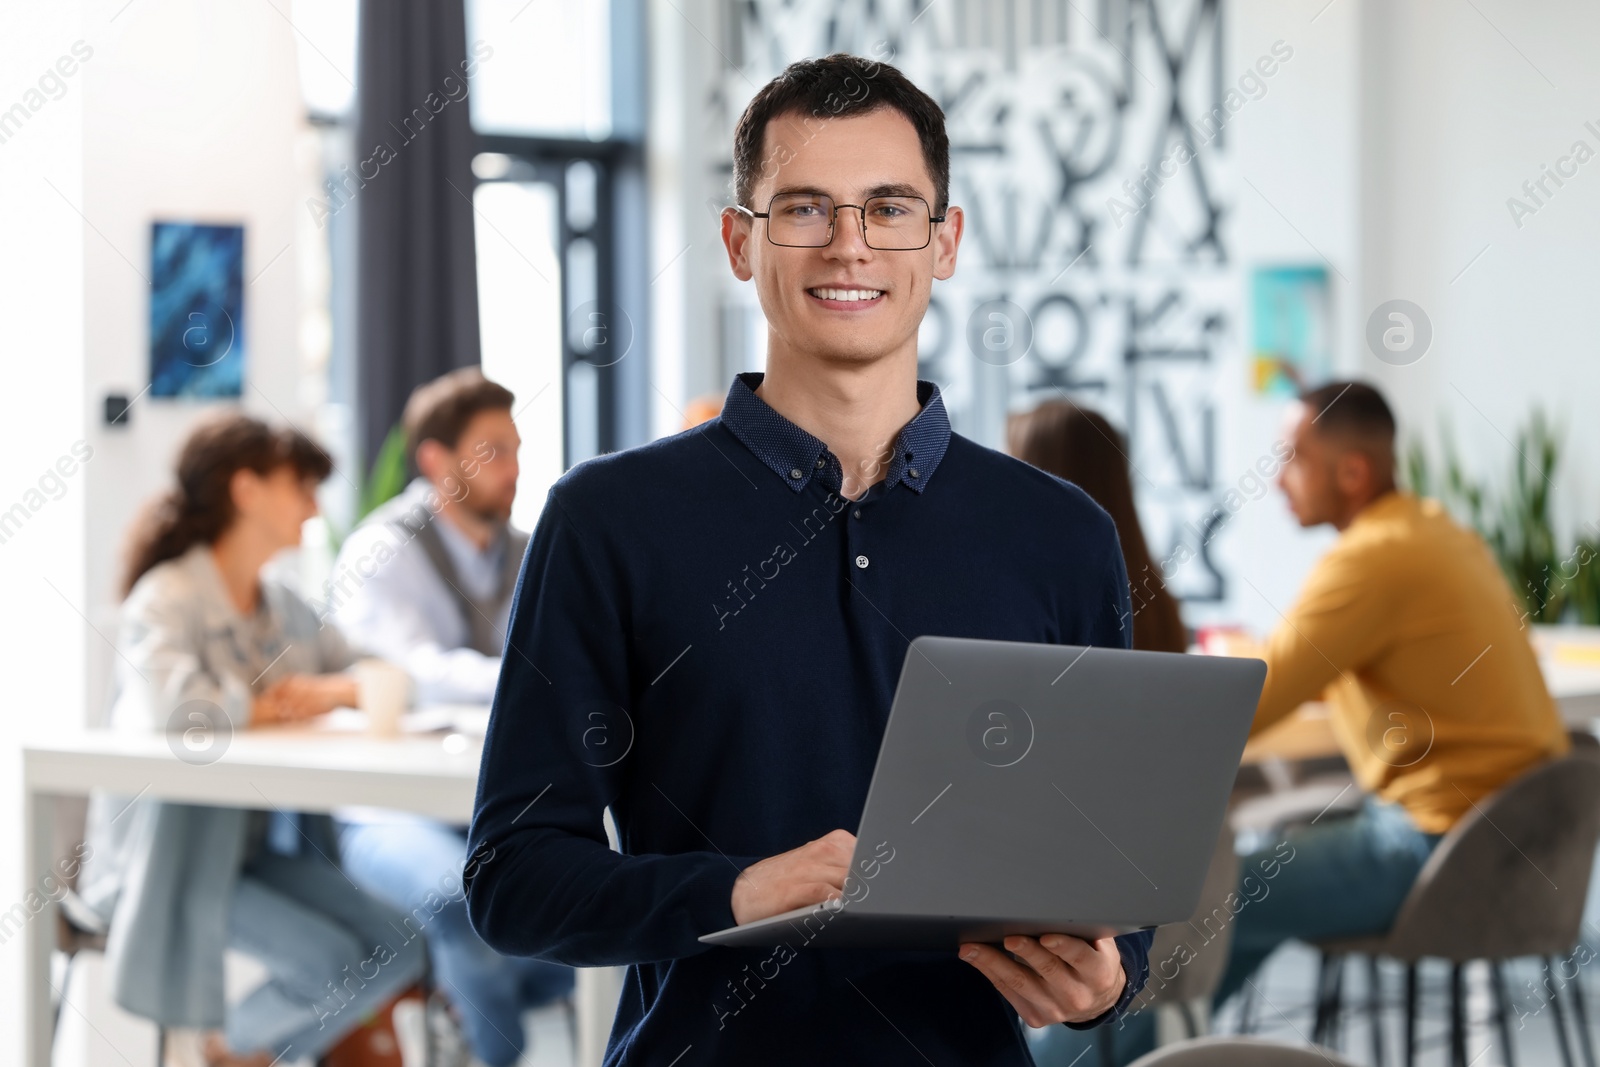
column 1409, row 631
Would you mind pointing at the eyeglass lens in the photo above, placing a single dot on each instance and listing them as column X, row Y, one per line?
column 806, row 220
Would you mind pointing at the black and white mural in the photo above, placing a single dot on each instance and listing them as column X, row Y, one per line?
column 1089, row 149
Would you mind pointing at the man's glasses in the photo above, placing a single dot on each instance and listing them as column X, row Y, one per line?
column 888, row 223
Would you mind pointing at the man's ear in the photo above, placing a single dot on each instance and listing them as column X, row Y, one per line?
column 946, row 239
column 433, row 460
column 737, row 230
column 1353, row 473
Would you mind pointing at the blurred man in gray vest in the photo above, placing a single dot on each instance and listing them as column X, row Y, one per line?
column 426, row 582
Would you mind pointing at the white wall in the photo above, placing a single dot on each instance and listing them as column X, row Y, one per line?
column 182, row 110
column 191, row 111
column 1391, row 142
column 1468, row 115
column 1295, row 159
column 41, row 343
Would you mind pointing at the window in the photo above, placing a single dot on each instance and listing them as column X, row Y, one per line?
column 549, row 74
column 518, row 234
column 557, row 103
column 560, row 204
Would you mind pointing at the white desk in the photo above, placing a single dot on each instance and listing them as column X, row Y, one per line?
column 1570, row 658
column 293, row 769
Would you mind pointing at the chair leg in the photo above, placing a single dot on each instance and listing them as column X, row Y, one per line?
column 1327, row 968
column 1560, row 1014
column 1411, row 1015
column 1375, row 1011
column 1105, row 1051
column 570, row 1005
column 1191, row 1025
column 1458, row 1019
column 1336, row 1007
column 1247, row 1008
column 1502, row 1012
column 61, row 1001
column 1580, row 1015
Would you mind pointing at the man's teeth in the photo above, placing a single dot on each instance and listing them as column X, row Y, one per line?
column 846, row 294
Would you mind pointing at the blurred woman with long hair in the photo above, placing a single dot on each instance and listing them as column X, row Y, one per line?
column 1075, row 443
column 209, row 646
column 1078, row 444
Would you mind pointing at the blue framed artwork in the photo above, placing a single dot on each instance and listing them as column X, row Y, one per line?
column 1290, row 329
column 197, row 344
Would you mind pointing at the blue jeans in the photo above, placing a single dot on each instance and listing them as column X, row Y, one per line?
column 415, row 864
column 331, row 953
column 1344, row 877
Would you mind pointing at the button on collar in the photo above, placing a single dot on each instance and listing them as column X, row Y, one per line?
column 861, row 561
column 783, row 447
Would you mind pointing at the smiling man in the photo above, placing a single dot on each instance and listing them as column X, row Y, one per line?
column 825, row 518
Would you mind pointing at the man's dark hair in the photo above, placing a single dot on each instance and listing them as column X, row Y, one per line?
column 440, row 410
column 1351, row 409
column 833, row 87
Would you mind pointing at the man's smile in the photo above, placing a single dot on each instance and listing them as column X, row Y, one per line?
column 853, row 298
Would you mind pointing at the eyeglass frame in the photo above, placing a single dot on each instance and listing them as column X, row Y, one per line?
column 833, row 220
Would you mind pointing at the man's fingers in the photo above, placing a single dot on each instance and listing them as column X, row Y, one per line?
column 812, row 874
column 837, row 845
column 1017, row 983
column 1075, row 951
column 1045, row 963
column 1042, row 984
column 1073, row 988
column 823, row 890
column 829, row 856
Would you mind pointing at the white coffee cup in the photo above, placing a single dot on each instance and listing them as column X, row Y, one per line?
column 384, row 690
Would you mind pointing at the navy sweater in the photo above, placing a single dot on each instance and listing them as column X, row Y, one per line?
column 706, row 638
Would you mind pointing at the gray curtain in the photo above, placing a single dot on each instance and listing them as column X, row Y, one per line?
column 417, row 299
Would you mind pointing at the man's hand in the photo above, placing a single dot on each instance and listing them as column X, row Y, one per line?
column 810, row 874
column 1059, row 979
column 303, row 696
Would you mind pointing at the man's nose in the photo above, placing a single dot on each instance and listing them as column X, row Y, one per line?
column 849, row 231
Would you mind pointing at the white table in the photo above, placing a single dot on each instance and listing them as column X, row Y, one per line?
column 1570, row 659
column 292, row 769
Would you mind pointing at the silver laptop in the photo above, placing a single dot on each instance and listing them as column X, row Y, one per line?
column 1029, row 789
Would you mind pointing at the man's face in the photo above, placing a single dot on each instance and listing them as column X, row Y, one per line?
column 485, row 465
column 1307, row 478
column 849, row 159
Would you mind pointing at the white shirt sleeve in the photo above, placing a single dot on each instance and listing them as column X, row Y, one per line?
column 161, row 673
column 390, row 603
